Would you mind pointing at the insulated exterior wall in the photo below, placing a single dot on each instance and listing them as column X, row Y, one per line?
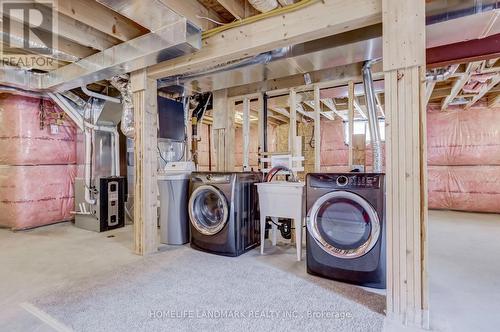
column 463, row 137
column 37, row 157
column 32, row 196
column 464, row 158
column 23, row 142
column 465, row 188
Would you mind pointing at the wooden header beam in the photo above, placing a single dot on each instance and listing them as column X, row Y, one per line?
column 320, row 19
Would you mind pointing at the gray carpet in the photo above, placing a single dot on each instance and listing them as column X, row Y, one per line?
column 180, row 289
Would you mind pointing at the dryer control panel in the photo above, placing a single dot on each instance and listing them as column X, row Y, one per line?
column 344, row 180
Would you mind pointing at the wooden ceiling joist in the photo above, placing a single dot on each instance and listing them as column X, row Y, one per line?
column 484, row 90
column 101, row 18
column 359, row 109
column 459, row 84
column 235, row 7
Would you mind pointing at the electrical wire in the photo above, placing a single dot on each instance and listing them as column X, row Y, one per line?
column 258, row 17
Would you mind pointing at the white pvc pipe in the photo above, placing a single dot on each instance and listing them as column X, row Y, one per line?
column 100, row 96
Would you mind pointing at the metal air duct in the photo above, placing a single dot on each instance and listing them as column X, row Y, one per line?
column 371, row 104
column 171, row 36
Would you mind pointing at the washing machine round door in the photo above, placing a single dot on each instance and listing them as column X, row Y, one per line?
column 344, row 224
column 208, row 210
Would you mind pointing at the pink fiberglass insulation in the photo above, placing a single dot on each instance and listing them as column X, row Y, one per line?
column 32, row 196
column 464, row 188
column 463, row 137
column 334, row 151
column 24, row 141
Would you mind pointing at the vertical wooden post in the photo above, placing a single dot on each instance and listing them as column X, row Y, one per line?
column 317, row 129
column 404, row 67
column 292, row 139
column 350, row 120
column 146, row 131
column 224, row 131
column 246, row 134
column 261, row 123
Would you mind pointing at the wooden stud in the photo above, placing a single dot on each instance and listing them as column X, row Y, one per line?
column 224, row 130
column 145, row 198
column 246, row 134
column 292, row 139
column 350, row 120
column 317, row 130
column 406, row 219
column 261, row 122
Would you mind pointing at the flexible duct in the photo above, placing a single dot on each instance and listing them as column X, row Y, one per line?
column 441, row 74
column 122, row 84
column 100, row 96
column 264, row 6
column 371, row 104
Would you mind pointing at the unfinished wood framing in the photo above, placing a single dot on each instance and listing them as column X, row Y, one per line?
column 320, row 19
column 246, row 134
column 292, row 137
column 404, row 67
column 350, row 120
column 317, row 130
column 145, row 198
column 261, row 125
column 224, row 131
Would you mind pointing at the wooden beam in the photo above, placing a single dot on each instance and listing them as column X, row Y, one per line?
column 246, row 134
column 379, row 105
column 484, row 90
column 100, row 17
column 358, row 108
column 292, row 138
column 235, row 7
column 317, row 130
column 145, row 199
column 459, row 84
column 331, row 105
column 320, row 19
column 261, row 126
column 350, row 119
column 406, row 162
column 64, row 45
column 429, row 88
column 224, row 130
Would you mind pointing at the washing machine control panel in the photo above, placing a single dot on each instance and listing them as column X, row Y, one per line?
column 344, row 180
column 215, row 178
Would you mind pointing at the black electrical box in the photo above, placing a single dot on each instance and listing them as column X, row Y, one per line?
column 171, row 119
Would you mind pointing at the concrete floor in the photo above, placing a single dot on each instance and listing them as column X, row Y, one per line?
column 463, row 269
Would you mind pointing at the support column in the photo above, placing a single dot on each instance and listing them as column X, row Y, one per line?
column 146, row 129
column 317, row 130
column 223, row 131
column 404, row 70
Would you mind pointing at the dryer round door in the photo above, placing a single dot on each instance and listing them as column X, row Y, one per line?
column 208, row 210
column 344, row 224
